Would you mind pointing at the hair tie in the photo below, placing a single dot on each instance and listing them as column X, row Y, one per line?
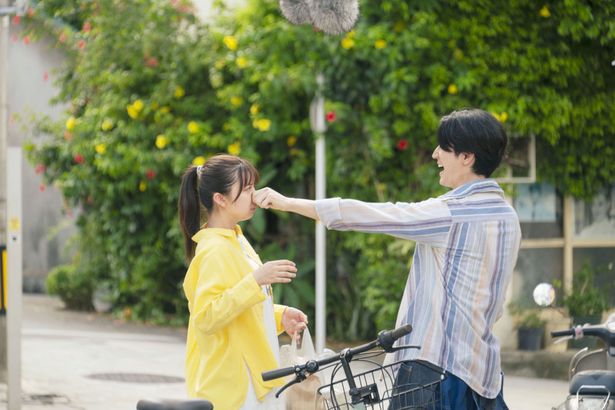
column 199, row 169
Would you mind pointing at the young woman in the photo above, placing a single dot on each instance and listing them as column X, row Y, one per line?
column 233, row 328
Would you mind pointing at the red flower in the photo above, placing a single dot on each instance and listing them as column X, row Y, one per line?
column 151, row 62
column 331, row 116
column 150, row 174
column 78, row 158
column 30, row 12
column 87, row 27
column 402, row 144
column 42, row 187
column 16, row 20
column 40, row 168
column 26, row 40
column 81, row 44
column 45, row 76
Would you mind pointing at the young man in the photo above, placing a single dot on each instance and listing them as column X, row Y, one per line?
column 467, row 245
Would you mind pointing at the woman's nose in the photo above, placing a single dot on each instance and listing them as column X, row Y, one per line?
column 434, row 155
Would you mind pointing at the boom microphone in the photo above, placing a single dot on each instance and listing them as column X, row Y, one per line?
column 329, row 16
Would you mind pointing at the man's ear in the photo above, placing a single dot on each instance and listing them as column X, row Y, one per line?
column 468, row 158
column 220, row 200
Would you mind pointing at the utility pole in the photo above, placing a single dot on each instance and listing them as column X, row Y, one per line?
column 317, row 122
column 11, row 189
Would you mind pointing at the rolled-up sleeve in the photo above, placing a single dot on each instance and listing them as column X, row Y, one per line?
column 427, row 221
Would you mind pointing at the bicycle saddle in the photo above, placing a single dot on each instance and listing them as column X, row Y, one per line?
column 174, row 405
column 592, row 378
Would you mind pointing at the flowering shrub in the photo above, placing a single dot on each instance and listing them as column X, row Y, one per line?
column 156, row 90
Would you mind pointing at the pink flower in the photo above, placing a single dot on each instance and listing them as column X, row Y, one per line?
column 16, row 20
column 45, row 76
column 150, row 174
column 26, row 40
column 331, row 116
column 81, row 44
column 62, row 37
column 30, row 12
column 151, row 62
column 87, row 27
column 78, row 158
column 40, row 168
column 42, row 187
column 402, row 144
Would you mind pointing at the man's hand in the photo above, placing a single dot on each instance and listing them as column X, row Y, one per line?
column 294, row 321
column 269, row 199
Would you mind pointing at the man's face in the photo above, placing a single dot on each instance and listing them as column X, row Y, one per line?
column 454, row 168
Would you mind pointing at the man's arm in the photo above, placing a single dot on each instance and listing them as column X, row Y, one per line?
column 269, row 199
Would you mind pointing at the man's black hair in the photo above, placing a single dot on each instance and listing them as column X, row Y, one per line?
column 477, row 132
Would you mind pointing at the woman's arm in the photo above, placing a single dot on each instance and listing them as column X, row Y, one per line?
column 270, row 199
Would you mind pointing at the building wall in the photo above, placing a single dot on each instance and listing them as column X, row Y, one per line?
column 30, row 77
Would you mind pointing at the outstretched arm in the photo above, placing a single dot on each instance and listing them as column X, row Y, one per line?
column 270, row 199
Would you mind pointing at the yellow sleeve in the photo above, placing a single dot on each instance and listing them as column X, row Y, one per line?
column 278, row 312
column 221, row 293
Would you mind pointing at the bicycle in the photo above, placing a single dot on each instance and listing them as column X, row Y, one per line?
column 372, row 389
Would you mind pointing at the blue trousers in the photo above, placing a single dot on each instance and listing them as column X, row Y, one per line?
column 450, row 394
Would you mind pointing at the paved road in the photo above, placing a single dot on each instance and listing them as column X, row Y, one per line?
column 87, row 361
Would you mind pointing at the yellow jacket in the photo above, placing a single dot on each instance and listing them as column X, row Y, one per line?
column 226, row 330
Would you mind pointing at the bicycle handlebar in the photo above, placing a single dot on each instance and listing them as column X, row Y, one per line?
column 386, row 339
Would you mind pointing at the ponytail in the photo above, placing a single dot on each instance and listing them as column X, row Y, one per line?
column 189, row 210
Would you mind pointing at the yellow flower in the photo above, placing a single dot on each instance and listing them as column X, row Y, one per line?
column 380, row 44
column 165, row 109
column 234, row 148
column 70, row 123
column 179, row 92
column 254, row 109
column 193, row 127
column 502, row 117
column 106, row 125
column 262, row 124
column 544, row 12
column 347, row 43
column 230, row 42
column 241, row 62
column 138, row 105
column 452, row 89
column 198, row 161
column 161, row 141
column 132, row 112
column 101, row 148
column 291, row 141
column 351, row 34
column 142, row 186
column 236, row 101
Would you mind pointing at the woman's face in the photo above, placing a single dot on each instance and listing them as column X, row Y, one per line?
column 243, row 207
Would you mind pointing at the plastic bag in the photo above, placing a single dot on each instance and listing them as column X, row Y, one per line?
column 304, row 395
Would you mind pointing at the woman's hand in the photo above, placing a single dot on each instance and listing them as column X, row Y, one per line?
column 280, row 271
column 294, row 321
column 270, row 199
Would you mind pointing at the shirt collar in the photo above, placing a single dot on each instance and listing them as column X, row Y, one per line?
column 206, row 232
column 487, row 185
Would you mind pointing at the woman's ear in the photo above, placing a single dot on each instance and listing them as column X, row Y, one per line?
column 220, row 200
column 468, row 158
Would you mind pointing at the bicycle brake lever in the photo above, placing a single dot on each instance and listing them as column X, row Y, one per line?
column 298, row 379
column 394, row 349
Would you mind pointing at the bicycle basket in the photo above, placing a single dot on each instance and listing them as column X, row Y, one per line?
column 378, row 391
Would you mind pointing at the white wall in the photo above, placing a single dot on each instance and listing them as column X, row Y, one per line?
column 30, row 77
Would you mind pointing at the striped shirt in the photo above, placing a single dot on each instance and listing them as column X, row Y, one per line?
column 467, row 242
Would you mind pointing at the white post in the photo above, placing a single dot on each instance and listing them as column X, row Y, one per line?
column 317, row 120
column 14, row 270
